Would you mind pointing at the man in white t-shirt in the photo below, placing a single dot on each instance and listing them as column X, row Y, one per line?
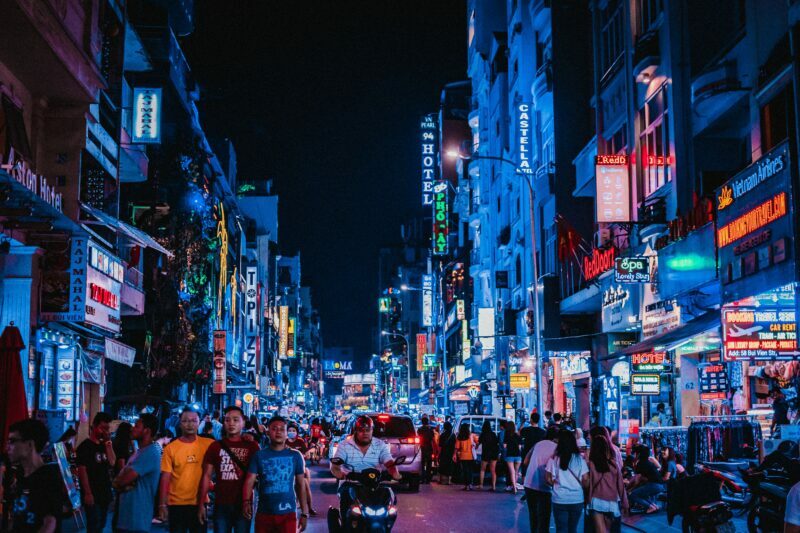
column 791, row 520
column 537, row 491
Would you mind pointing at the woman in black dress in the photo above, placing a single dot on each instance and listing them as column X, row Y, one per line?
column 490, row 450
column 447, row 447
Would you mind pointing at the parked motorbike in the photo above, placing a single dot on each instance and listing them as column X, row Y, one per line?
column 769, row 491
column 697, row 499
column 734, row 491
column 373, row 505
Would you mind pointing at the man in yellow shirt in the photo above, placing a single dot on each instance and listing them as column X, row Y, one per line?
column 181, row 471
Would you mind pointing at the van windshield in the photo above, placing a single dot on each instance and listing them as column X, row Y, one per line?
column 393, row 427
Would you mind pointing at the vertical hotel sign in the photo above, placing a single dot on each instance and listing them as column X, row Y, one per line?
column 146, row 115
column 524, row 138
column 427, row 300
column 220, row 376
column 429, row 144
column 283, row 331
column 612, row 198
column 441, row 218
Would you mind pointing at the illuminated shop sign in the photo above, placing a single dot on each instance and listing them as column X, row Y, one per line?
column 251, row 324
column 106, row 264
column 612, row 180
column 460, row 310
column 524, row 136
column 422, row 347
column 220, row 380
column 290, row 342
column 283, row 331
column 649, row 362
column 429, row 360
column 521, row 381
column 429, row 133
column 632, row 270
column 573, row 363
column 622, row 370
column 713, row 381
column 759, row 333
column 645, row 384
column 601, row 260
column 755, row 230
column 334, row 374
column 427, row 300
column 20, row 170
column 327, row 364
column 146, row 115
column 619, row 308
column 441, row 218
column 465, row 347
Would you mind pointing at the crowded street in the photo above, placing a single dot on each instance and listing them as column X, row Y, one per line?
column 419, row 265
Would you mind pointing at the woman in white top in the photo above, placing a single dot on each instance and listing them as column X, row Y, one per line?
column 568, row 474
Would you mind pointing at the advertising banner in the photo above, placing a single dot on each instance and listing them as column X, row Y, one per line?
column 220, row 382
column 755, row 234
column 645, row 384
column 619, row 308
column 609, row 407
column 422, row 344
column 520, row 381
column 613, row 188
column 759, row 333
column 64, row 291
column 146, row 115
column 121, row 353
column 503, row 354
column 283, row 331
column 427, row 300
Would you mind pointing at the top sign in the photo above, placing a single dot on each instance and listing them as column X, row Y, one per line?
column 600, row 261
column 524, row 131
column 612, row 198
column 632, row 270
column 649, row 362
column 429, row 134
column 146, row 115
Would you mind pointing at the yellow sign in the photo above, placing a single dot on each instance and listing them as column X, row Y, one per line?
column 283, row 328
column 248, row 398
column 521, row 381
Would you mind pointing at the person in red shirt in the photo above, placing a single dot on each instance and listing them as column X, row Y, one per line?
column 227, row 460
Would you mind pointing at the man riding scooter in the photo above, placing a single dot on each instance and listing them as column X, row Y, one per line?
column 361, row 451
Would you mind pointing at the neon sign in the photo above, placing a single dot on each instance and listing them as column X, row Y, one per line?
column 104, row 296
column 429, row 133
column 611, row 159
column 632, row 270
column 759, row 333
column 649, row 362
column 758, row 217
column 645, row 384
column 524, row 129
column 440, row 219
column 600, row 261
column 146, row 115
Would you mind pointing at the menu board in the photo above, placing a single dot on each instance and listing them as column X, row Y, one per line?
column 65, row 383
column 713, row 381
column 645, row 384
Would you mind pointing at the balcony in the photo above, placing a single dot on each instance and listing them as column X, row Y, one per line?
column 646, row 56
column 584, row 170
column 132, row 293
column 715, row 91
column 543, row 83
column 652, row 217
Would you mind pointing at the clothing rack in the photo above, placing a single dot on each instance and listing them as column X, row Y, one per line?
column 657, row 437
column 721, row 438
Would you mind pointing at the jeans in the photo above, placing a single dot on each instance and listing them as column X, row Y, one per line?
column 229, row 518
column 567, row 516
column 539, row 509
column 427, row 466
column 96, row 517
column 645, row 495
column 276, row 523
column 183, row 519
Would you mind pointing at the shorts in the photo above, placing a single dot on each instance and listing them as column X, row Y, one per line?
column 512, row 459
column 276, row 523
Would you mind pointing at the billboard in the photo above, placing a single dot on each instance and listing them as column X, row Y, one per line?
column 612, row 179
column 759, row 333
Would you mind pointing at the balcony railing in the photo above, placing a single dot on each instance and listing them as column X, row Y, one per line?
column 133, row 277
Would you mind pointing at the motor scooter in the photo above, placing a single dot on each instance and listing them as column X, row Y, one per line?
column 373, row 506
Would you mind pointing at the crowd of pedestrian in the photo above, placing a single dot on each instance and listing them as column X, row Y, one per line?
column 142, row 476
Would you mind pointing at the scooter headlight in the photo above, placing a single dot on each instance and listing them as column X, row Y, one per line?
column 376, row 511
column 392, row 510
column 355, row 510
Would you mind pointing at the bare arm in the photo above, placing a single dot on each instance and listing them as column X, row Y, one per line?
column 163, row 494
column 247, row 495
column 203, row 492
column 393, row 471
column 300, row 489
column 337, row 471
column 125, row 479
column 48, row 524
column 110, row 455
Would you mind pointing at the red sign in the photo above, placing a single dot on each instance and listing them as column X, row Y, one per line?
column 611, row 159
column 756, row 218
column 600, row 261
column 655, row 358
column 422, row 345
column 104, row 296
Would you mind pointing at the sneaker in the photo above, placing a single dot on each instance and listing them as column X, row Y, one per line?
column 519, row 486
column 509, row 489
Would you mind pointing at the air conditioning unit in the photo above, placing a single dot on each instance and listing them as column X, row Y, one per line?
column 601, row 237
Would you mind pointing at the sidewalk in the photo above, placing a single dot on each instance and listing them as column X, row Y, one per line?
column 658, row 522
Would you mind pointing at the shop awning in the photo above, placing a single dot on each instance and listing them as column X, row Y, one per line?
column 704, row 323
column 119, row 226
column 576, row 343
column 20, row 197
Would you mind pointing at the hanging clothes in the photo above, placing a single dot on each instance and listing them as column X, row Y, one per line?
column 723, row 439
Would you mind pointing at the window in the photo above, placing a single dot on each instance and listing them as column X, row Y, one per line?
column 654, row 142
column 777, row 120
column 12, row 130
column 618, row 141
column 612, row 35
column 647, row 14
column 518, row 271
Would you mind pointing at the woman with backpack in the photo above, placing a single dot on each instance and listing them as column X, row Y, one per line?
column 568, row 474
column 607, row 495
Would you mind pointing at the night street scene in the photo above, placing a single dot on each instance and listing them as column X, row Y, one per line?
column 399, row 265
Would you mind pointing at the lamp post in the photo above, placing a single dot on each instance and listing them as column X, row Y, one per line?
column 532, row 217
column 408, row 358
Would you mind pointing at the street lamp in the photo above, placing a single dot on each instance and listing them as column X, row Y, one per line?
column 408, row 356
column 537, row 330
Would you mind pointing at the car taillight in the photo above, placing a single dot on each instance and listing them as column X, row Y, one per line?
column 416, row 440
column 410, row 440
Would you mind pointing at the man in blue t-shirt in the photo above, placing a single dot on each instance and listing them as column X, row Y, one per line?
column 138, row 482
column 281, row 484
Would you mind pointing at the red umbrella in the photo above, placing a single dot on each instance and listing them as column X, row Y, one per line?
column 13, row 403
